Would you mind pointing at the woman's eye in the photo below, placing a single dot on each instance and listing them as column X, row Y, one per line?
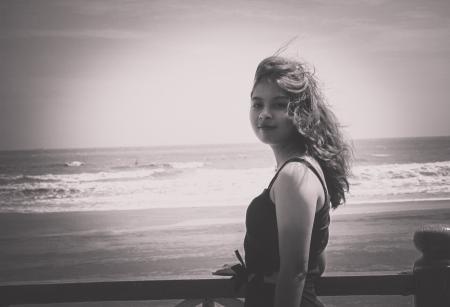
column 256, row 105
column 280, row 105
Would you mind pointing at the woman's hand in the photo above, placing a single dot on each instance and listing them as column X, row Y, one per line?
column 226, row 270
column 238, row 272
column 237, row 269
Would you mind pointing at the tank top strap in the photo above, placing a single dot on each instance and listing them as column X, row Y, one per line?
column 310, row 165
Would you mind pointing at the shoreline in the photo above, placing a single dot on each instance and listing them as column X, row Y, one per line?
column 388, row 205
column 188, row 243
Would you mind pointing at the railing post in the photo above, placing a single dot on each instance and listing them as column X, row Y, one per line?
column 432, row 270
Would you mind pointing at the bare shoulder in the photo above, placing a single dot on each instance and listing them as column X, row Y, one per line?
column 296, row 181
column 294, row 172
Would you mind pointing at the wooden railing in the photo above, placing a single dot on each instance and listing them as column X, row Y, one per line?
column 429, row 282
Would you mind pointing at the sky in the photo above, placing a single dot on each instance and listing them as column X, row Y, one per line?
column 148, row 73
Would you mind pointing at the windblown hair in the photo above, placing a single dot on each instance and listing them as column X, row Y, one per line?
column 316, row 123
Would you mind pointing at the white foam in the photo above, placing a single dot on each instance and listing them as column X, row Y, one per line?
column 74, row 163
column 393, row 180
column 400, row 205
column 187, row 165
column 380, row 155
column 193, row 185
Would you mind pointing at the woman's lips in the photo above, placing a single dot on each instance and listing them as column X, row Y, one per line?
column 266, row 127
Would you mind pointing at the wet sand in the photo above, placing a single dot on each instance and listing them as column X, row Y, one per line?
column 192, row 242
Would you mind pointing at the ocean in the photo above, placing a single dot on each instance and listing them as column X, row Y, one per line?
column 178, row 212
column 394, row 170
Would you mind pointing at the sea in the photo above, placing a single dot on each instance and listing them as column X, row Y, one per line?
column 63, row 180
column 62, row 218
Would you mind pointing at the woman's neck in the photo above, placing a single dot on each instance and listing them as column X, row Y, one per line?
column 286, row 151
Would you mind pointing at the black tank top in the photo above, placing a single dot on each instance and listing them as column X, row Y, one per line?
column 261, row 239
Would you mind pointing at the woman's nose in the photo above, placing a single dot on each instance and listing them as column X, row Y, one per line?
column 264, row 114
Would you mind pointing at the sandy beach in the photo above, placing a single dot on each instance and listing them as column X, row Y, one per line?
column 192, row 242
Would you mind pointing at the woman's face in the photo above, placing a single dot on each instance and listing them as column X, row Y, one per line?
column 268, row 114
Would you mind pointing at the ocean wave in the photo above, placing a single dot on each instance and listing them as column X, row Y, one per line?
column 187, row 165
column 35, row 193
column 162, row 165
column 139, row 172
column 102, row 176
column 19, row 179
column 393, row 181
column 124, row 172
column 92, row 186
column 136, row 165
column 74, row 163
column 438, row 170
column 380, row 155
column 193, row 185
column 177, row 165
column 156, row 165
column 401, row 200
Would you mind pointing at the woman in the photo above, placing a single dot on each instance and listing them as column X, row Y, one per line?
column 287, row 225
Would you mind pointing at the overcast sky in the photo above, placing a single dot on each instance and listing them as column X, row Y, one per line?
column 138, row 73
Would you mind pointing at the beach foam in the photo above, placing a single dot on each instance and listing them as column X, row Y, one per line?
column 226, row 175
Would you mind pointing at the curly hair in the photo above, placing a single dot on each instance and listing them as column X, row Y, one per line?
column 316, row 123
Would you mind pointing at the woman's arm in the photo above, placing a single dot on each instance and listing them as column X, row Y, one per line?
column 295, row 193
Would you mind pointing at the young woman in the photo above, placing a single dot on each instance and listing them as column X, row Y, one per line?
column 287, row 225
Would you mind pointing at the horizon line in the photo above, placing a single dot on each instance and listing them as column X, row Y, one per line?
column 202, row 144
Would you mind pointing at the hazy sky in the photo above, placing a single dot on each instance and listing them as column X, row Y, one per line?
column 137, row 73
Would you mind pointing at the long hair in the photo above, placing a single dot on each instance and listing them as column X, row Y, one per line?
column 316, row 123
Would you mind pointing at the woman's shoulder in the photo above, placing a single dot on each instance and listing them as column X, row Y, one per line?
column 293, row 170
column 297, row 177
column 307, row 162
column 297, row 173
column 299, row 165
